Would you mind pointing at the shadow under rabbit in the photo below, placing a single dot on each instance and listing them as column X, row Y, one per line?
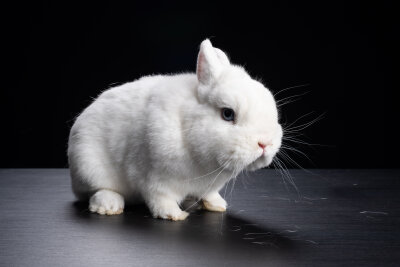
column 202, row 233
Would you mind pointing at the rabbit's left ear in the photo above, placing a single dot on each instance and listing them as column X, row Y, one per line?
column 210, row 63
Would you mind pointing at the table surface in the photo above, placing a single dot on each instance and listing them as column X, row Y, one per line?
column 335, row 218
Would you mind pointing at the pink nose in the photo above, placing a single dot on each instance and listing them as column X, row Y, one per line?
column 262, row 145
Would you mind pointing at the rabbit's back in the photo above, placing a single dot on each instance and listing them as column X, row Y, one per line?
column 108, row 136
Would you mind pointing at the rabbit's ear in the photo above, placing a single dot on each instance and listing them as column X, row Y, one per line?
column 210, row 63
column 222, row 57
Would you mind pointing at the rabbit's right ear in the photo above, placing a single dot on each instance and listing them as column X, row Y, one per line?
column 210, row 63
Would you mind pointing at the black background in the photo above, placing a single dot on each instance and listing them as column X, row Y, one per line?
column 59, row 56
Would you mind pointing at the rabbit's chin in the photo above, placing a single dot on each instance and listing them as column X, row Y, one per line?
column 250, row 164
column 261, row 162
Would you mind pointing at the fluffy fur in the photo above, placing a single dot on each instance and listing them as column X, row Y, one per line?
column 162, row 138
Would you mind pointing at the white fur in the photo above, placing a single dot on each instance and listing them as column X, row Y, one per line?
column 106, row 202
column 162, row 138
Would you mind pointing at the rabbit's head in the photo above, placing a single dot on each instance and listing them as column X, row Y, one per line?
column 236, row 121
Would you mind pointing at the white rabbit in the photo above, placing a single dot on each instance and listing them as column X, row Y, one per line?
column 166, row 137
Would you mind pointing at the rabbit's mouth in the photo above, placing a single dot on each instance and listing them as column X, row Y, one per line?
column 263, row 154
column 257, row 158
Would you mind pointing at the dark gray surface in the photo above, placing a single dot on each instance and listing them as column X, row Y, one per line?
column 342, row 218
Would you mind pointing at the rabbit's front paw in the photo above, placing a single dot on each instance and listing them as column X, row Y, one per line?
column 106, row 202
column 173, row 213
column 180, row 216
column 165, row 208
column 214, row 202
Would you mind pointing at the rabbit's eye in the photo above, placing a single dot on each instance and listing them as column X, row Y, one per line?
column 228, row 114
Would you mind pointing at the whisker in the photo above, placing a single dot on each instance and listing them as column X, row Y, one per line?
column 287, row 102
column 278, row 168
column 234, row 182
column 292, row 87
column 278, row 102
column 298, row 165
column 222, row 166
column 299, row 141
column 288, row 175
column 208, row 188
column 298, row 128
column 299, row 118
column 296, row 150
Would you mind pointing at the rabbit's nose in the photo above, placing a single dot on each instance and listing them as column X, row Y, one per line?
column 262, row 145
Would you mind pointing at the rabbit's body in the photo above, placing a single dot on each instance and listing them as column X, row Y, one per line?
column 161, row 138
